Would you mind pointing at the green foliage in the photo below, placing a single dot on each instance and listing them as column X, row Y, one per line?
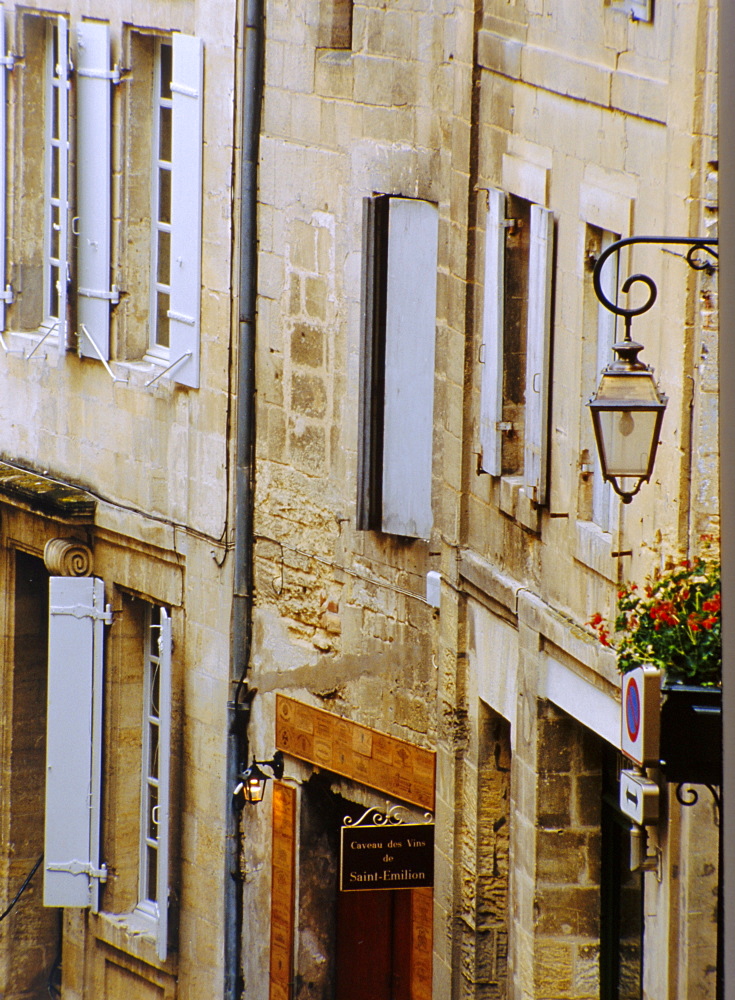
column 674, row 623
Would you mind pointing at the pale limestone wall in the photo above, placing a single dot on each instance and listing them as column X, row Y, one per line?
column 158, row 455
column 336, row 623
column 598, row 119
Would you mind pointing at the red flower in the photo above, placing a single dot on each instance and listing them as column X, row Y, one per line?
column 713, row 604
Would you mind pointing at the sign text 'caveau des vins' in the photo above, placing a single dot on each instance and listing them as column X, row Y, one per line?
column 387, row 857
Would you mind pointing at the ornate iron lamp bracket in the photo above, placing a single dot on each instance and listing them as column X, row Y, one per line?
column 695, row 245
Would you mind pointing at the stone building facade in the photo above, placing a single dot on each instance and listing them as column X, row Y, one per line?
column 414, row 195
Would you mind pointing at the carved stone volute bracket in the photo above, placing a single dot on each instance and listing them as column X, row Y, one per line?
column 67, row 557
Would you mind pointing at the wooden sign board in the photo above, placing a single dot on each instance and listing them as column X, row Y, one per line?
column 282, row 890
column 400, row 856
column 390, row 765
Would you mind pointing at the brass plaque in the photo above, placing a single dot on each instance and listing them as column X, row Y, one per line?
column 390, row 765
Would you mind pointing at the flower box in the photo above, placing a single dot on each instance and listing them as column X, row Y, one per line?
column 691, row 734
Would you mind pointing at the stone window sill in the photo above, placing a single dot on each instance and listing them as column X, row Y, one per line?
column 516, row 503
column 134, row 934
column 595, row 550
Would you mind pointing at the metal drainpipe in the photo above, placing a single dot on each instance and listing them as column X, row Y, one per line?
column 241, row 625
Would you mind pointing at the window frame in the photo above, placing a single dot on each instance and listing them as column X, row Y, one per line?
column 6, row 64
column 160, row 348
column 155, row 776
column 56, row 119
column 532, row 472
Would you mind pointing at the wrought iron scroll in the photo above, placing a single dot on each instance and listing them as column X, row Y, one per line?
column 394, row 815
column 691, row 796
column 696, row 247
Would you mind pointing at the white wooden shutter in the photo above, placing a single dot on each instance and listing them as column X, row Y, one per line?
column 491, row 357
column 538, row 349
column 93, row 188
column 186, row 207
column 74, row 742
column 410, row 339
column 64, row 156
column 5, row 64
column 605, row 504
column 164, row 774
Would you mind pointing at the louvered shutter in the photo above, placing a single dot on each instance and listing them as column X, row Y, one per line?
column 164, row 772
column 93, row 188
column 186, row 207
column 410, row 338
column 62, row 71
column 538, row 348
column 4, row 65
column 491, row 386
column 74, row 741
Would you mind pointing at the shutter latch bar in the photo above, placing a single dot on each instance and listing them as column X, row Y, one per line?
column 77, row 867
column 84, row 611
column 94, row 293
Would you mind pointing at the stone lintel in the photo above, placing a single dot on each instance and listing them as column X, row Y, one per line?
column 44, row 496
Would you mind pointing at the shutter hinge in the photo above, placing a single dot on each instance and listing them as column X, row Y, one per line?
column 503, row 425
column 181, row 317
column 7, row 296
column 84, row 611
column 8, row 61
column 76, row 867
column 112, row 296
column 101, row 74
column 181, row 88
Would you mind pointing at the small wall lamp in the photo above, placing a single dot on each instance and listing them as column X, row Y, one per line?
column 252, row 780
column 628, row 409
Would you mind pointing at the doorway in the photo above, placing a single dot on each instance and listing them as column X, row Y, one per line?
column 373, row 947
column 34, row 931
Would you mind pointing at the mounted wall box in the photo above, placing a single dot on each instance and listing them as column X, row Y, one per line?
column 640, row 722
column 639, row 798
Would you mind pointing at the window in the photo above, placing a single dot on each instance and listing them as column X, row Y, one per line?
column 516, row 342
column 176, row 206
column 400, row 244
column 138, row 756
column 598, row 502
column 155, row 770
column 50, row 297
column 335, row 24
column 161, row 201
column 56, row 178
column 621, row 895
column 6, row 64
column 64, row 194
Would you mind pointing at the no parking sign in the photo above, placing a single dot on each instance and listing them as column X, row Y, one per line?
column 641, row 715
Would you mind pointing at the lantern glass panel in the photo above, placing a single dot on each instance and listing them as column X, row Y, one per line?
column 627, row 437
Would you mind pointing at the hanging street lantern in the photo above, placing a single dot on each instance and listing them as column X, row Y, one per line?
column 628, row 408
column 627, row 412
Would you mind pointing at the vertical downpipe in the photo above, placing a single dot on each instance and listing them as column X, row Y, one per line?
column 241, row 625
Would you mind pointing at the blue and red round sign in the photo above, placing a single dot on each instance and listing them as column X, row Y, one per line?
column 633, row 710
